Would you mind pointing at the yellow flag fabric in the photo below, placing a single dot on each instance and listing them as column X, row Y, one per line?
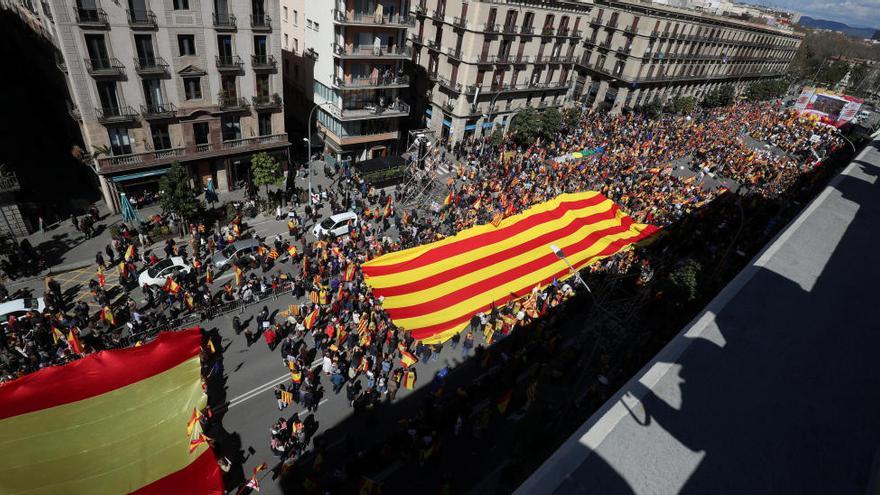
column 433, row 290
column 114, row 422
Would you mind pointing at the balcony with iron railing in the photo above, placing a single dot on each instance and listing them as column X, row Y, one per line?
column 577, row 33
column 420, row 9
column 104, row 67
column 115, row 115
column 159, row 111
column 133, row 161
column 229, row 63
column 261, row 22
column 527, row 30
column 548, row 31
column 91, row 17
column 151, row 66
column 374, row 111
column 453, row 53
column 379, row 82
column 433, row 45
column 438, row 15
column 264, row 62
column 508, row 87
column 9, row 183
column 373, row 51
column 142, row 19
column 612, row 24
column 510, row 29
column 353, row 18
column 631, row 29
column 224, row 21
column 448, row 84
column 416, row 39
column 563, row 31
column 596, row 23
column 491, row 28
column 266, row 102
column 230, row 102
column 459, row 22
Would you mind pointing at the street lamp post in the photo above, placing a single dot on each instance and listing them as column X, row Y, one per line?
column 488, row 117
column 847, row 140
column 308, row 141
column 577, row 276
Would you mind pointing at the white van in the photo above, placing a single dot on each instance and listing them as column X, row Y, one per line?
column 336, row 225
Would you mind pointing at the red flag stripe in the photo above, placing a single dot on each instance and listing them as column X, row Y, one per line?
column 486, row 284
column 484, row 239
column 201, row 477
column 498, row 257
column 61, row 385
column 426, row 332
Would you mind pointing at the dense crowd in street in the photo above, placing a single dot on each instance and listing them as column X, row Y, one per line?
column 332, row 317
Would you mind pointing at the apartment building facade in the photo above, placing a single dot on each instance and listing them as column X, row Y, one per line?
column 298, row 65
column 358, row 50
column 636, row 52
column 159, row 81
column 487, row 59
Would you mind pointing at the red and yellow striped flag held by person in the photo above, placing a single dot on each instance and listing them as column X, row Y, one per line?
column 171, row 286
column 433, row 290
column 54, row 414
column 312, row 318
column 409, row 379
column 407, row 359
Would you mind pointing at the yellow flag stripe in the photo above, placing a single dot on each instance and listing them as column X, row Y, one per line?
column 500, row 292
column 412, row 253
column 112, row 443
column 408, row 276
column 430, row 293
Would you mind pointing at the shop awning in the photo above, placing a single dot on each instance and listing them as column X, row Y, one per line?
column 470, row 127
column 447, row 123
column 138, row 175
column 488, row 124
column 428, row 112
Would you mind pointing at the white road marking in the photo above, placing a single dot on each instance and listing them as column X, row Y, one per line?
column 259, row 389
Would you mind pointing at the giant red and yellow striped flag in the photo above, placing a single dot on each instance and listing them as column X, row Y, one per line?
column 121, row 430
column 433, row 290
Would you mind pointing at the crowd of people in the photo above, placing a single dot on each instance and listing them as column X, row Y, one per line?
column 332, row 317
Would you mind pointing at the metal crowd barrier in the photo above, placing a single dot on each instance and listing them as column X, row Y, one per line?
column 198, row 315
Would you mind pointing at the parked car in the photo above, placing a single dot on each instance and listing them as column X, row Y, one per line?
column 158, row 273
column 336, row 224
column 236, row 250
column 20, row 307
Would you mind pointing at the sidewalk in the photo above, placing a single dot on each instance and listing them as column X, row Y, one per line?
column 68, row 249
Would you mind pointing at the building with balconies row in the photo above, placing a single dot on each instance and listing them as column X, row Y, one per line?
column 636, row 52
column 484, row 60
column 356, row 51
column 159, row 81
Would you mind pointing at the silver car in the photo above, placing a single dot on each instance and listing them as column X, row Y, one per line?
column 234, row 251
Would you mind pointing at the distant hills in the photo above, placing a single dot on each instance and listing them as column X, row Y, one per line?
column 856, row 32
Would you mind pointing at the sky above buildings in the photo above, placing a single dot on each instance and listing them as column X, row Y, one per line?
column 856, row 13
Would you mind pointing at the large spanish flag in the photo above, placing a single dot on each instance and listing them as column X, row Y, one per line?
column 114, row 422
column 433, row 290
